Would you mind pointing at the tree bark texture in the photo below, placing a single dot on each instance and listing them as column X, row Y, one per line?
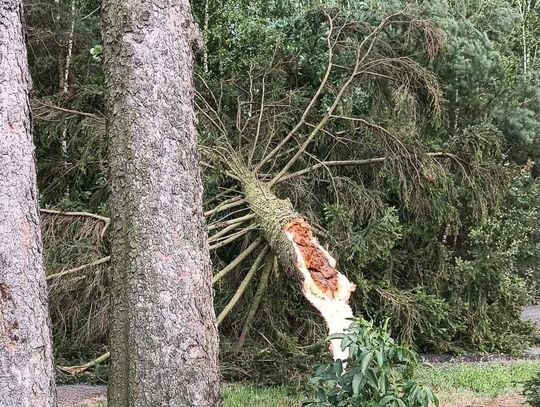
column 26, row 364
column 164, row 342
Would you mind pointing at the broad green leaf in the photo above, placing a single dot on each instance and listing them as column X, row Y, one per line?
column 365, row 362
column 357, row 383
column 386, row 400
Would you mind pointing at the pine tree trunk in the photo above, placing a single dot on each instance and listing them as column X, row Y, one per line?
column 164, row 343
column 26, row 365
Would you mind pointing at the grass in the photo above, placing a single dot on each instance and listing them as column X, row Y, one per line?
column 488, row 379
column 252, row 396
column 451, row 382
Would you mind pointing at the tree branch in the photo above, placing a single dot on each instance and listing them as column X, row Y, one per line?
column 82, row 368
column 228, row 204
column 237, row 260
column 218, row 225
column 231, row 238
column 76, row 269
column 215, row 237
column 315, row 97
column 261, row 289
column 104, row 219
column 352, row 162
column 62, row 109
column 243, row 286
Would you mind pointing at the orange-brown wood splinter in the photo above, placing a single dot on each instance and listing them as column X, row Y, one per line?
column 325, row 288
column 317, row 262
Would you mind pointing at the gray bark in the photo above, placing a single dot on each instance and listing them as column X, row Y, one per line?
column 26, row 365
column 164, row 343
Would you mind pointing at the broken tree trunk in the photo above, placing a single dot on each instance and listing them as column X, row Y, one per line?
column 292, row 240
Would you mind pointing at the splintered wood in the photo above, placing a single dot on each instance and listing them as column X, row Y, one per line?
column 324, row 286
column 319, row 263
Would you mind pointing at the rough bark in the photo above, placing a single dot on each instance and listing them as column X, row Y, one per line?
column 164, row 346
column 291, row 238
column 26, row 365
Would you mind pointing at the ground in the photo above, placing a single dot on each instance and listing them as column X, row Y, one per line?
column 492, row 383
column 510, row 400
column 90, row 396
column 74, row 395
column 478, row 384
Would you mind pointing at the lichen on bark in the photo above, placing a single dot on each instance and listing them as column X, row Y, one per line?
column 26, row 363
column 164, row 342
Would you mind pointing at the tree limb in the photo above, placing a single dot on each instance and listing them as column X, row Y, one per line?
column 215, row 237
column 218, row 225
column 230, row 239
column 243, row 286
column 74, row 370
column 351, row 162
column 261, row 289
column 237, row 260
column 311, row 103
column 104, row 219
column 62, row 109
column 76, row 269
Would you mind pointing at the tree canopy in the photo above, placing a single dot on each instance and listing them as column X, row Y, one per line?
column 405, row 131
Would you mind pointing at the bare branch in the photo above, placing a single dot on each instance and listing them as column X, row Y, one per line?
column 80, row 268
column 261, row 289
column 228, row 204
column 259, row 121
column 232, row 238
column 218, row 225
column 74, row 370
column 104, row 219
column 223, row 232
column 227, row 173
column 62, row 109
column 243, row 286
column 315, row 131
column 237, row 260
column 314, row 99
column 361, row 56
column 352, row 162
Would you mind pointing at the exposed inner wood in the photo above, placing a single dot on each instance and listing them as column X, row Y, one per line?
column 324, row 286
column 317, row 262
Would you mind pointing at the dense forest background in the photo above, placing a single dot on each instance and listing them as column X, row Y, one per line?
column 420, row 176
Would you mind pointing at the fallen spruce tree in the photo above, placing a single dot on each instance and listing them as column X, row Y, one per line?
column 346, row 122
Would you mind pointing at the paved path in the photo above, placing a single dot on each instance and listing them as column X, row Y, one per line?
column 75, row 395
column 532, row 313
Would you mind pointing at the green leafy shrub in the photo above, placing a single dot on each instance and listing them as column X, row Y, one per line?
column 379, row 372
column 531, row 391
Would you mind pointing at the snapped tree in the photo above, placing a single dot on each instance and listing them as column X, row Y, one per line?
column 259, row 152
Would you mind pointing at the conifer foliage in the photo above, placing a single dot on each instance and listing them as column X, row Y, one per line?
column 404, row 132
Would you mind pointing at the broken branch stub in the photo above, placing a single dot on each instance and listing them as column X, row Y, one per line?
column 292, row 241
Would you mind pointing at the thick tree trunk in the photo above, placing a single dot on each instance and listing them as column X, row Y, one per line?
column 26, row 365
column 164, row 343
column 299, row 252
